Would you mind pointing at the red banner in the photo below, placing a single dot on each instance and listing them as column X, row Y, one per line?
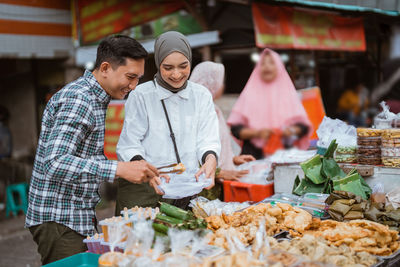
column 97, row 19
column 291, row 28
column 114, row 122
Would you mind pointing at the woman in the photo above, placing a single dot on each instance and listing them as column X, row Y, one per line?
column 146, row 134
column 269, row 103
column 211, row 76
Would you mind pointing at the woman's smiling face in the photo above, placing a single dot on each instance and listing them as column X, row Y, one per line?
column 175, row 69
column 268, row 68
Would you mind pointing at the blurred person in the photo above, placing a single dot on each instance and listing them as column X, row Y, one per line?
column 5, row 134
column 211, row 76
column 353, row 103
column 70, row 163
column 168, row 106
column 268, row 104
column 389, row 89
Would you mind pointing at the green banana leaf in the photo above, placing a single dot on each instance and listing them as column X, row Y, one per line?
column 296, row 183
column 366, row 188
column 312, row 169
column 331, row 149
column 331, row 169
column 307, row 186
column 351, row 183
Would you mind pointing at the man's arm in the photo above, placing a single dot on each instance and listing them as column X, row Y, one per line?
column 73, row 120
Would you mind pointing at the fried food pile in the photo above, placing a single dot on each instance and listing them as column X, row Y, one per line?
column 244, row 224
column 317, row 249
column 360, row 235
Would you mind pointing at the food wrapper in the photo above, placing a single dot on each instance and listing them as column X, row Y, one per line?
column 184, row 185
column 203, row 207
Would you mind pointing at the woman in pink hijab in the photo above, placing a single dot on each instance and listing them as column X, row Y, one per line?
column 211, row 76
column 269, row 103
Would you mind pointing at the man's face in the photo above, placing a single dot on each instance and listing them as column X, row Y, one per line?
column 120, row 81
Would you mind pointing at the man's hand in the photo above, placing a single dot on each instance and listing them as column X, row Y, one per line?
column 136, row 171
column 208, row 168
column 238, row 160
column 156, row 181
column 232, row 175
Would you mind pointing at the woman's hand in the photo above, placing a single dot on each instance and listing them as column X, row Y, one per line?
column 238, row 160
column 232, row 175
column 264, row 133
column 156, row 181
column 208, row 168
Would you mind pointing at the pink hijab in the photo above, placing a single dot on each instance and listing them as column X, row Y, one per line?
column 271, row 105
column 211, row 76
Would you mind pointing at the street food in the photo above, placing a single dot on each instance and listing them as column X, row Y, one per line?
column 360, row 235
column 180, row 168
column 368, row 132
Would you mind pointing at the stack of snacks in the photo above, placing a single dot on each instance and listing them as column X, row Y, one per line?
column 346, row 154
column 391, row 147
column 369, row 146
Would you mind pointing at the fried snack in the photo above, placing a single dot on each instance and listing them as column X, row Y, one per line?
column 360, row 235
column 391, row 133
column 179, row 167
column 244, row 224
column 368, row 132
column 317, row 249
column 391, row 161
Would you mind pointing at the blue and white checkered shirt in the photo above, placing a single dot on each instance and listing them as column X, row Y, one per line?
column 70, row 162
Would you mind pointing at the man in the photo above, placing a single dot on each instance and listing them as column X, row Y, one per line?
column 70, row 162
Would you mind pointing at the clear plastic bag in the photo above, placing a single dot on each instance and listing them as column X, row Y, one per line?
column 205, row 207
column 184, row 185
column 384, row 119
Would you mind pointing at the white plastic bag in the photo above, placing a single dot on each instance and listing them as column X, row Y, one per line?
column 384, row 119
column 184, row 185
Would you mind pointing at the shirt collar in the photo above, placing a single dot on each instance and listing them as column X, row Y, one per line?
column 96, row 88
column 164, row 93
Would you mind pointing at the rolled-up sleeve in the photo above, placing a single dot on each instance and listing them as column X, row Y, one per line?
column 134, row 129
column 208, row 130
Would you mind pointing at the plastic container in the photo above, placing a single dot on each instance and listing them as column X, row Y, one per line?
column 347, row 150
column 241, row 192
column 346, row 158
column 139, row 212
column 369, row 141
column 368, row 132
column 394, row 142
column 94, row 243
column 369, row 150
column 390, row 151
column 106, row 247
column 114, row 221
column 84, row 259
column 369, row 160
column 391, row 161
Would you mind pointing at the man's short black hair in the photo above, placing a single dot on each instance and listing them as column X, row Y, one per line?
column 115, row 49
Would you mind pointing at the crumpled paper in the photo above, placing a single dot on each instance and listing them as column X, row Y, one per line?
column 184, row 185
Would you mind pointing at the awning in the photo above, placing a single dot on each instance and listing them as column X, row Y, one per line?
column 342, row 5
column 85, row 55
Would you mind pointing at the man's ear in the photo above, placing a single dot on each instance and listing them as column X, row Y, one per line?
column 105, row 68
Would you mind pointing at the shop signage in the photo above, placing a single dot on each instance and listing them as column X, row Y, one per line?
column 294, row 28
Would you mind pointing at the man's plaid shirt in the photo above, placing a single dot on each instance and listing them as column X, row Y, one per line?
column 70, row 162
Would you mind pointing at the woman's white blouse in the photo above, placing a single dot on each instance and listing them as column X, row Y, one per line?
column 146, row 133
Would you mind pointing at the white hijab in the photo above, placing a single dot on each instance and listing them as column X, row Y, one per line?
column 211, row 76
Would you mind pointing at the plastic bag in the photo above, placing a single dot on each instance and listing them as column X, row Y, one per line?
column 184, row 185
column 259, row 170
column 384, row 119
column 378, row 193
column 329, row 129
column 201, row 205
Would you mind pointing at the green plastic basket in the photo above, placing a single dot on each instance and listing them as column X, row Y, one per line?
column 84, row 259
